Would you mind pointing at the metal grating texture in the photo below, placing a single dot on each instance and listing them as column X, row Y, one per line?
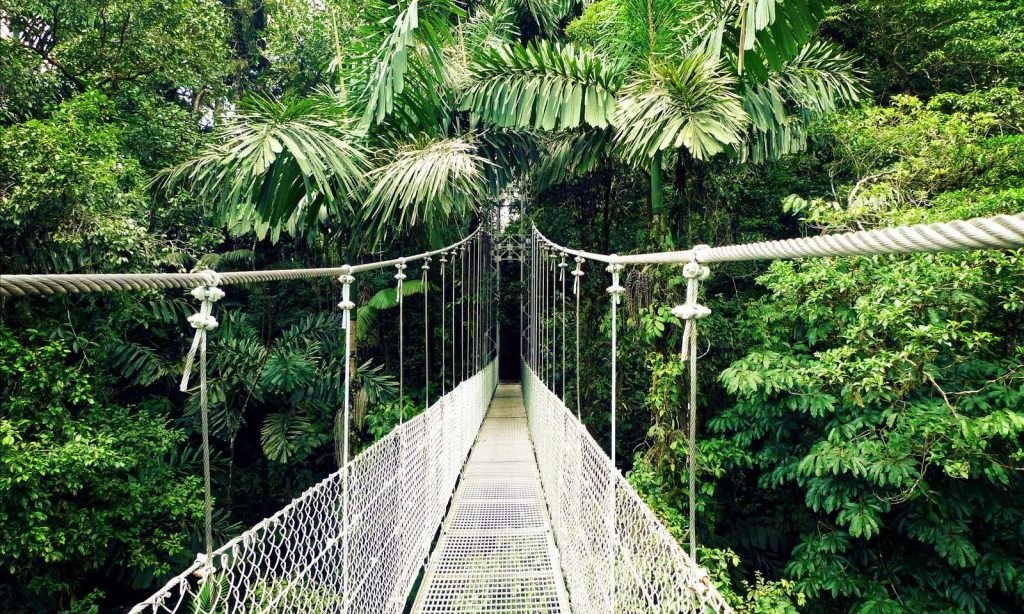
column 294, row 561
column 616, row 555
column 496, row 552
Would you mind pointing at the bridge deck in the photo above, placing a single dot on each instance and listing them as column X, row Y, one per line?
column 496, row 552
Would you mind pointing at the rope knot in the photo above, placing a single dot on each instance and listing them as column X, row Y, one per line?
column 202, row 321
column 615, row 289
column 577, row 273
column 209, row 293
column 400, row 276
column 696, row 270
column 346, row 305
column 691, row 311
column 210, row 278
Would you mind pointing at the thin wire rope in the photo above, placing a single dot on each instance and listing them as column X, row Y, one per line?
column 692, row 444
column 546, row 346
column 346, row 305
column 576, row 289
column 426, row 334
column 203, row 322
column 534, row 280
column 462, row 309
column 561, row 266
column 454, row 323
column 400, row 277
column 444, row 341
column 690, row 313
column 616, row 291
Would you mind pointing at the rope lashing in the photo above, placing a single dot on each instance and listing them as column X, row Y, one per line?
column 346, row 305
column 577, row 275
column 203, row 322
column 690, row 312
column 400, row 277
column 615, row 289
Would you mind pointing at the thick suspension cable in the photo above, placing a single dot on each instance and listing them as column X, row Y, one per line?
column 25, row 285
column 997, row 232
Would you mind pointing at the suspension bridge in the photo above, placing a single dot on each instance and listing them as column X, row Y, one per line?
column 495, row 498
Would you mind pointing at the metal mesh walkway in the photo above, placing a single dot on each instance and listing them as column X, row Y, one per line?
column 496, row 552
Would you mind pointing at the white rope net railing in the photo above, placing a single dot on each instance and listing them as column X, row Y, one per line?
column 399, row 488
column 616, row 555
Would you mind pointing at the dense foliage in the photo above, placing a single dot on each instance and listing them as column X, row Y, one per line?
column 860, row 441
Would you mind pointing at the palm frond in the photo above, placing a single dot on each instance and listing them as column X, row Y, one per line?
column 388, row 297
column 287, row 370
column 490, row 24
column 284, row 434
column 428, row 182
column 542, row 85
column 759, row 34
column 274, row 160
column 140, row 364
column 642, row 31
column 572, row 154
column 415, row 29
column 692, row 105
column 511, row 153
column 222, row 259
column 547, row 14
column 818, row 81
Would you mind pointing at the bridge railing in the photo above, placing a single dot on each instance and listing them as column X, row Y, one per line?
column 615, row 554
column 293, row 561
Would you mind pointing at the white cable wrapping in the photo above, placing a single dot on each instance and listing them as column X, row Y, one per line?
column 292, row 561
column 652, row 573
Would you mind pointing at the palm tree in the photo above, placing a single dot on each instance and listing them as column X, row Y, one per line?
column 700, row 77
column 437, row 109
column 389, row 135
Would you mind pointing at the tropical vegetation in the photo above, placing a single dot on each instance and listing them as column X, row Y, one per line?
column 860, row 435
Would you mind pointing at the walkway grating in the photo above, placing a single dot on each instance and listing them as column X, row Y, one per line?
column 496, row 552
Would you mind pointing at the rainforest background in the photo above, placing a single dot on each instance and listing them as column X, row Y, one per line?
column 860, row 432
